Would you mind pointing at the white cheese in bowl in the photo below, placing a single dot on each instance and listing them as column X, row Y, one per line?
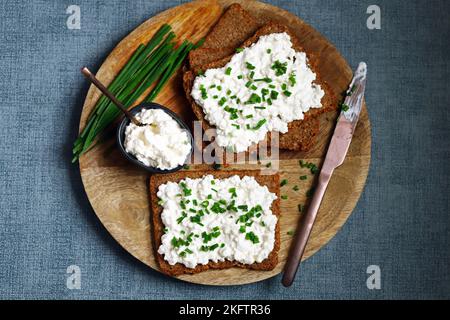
column 210, row 219
column 162, row 143
column 262, row 89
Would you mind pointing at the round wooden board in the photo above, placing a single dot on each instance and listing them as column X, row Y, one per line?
column 118, row 191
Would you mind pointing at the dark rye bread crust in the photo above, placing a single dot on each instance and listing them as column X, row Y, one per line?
column 271, row 181
column 203, row 56
column 234, row 27
column 309, row 126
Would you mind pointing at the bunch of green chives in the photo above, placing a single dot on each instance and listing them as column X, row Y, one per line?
column 155, row 62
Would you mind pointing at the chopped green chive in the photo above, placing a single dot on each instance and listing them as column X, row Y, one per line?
column 204, row 203
column 249, row 66
column 267, row 80
column 283, row 182
column 240, row 76
column 203, row 92
column 228, row 71
column 248, row 84
column 252, row 237
column 353, row 89
column 217, row 208
column 287, row 93
column 209, row 236
column 219, row 88
column 178, row 242
column 303, row 177
column 310, row 192
column 254, row 98
column 292, row 79
column 243, row 207
column 209, row 248
column 268, row 165
column 269, row 51
column 311, row 166
column 274, row 95
column 290, row 233
column 239, row 50
column 284, row 197
column 279, row 68
column 196, row 219
column 259, row 124
column 187, row 192
column 295, row 188
column 222, row 101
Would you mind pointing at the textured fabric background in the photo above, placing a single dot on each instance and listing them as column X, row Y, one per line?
column 401, row 223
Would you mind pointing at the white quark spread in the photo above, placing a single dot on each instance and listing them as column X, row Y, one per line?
column 162, row 143
column 262, row 88
column 215, row 220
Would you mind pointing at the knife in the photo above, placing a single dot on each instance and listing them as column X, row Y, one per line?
column 337, row 150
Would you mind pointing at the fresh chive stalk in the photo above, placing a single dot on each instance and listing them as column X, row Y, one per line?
column 153, row 63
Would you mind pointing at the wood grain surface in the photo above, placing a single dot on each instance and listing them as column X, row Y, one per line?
column 118, row 191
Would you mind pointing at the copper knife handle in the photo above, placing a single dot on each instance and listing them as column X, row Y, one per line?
column 304, row 230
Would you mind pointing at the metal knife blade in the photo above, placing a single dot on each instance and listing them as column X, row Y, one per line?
column 337, row 150
column 348, row 119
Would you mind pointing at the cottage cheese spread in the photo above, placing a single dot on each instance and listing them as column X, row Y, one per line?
column 215, row 220
column 262, row 88
column 162, row 143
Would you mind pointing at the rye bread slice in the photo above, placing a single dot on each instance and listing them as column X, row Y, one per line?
column 271, row 181
column 234, row 27
column 203, row 56
column 309, row 126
